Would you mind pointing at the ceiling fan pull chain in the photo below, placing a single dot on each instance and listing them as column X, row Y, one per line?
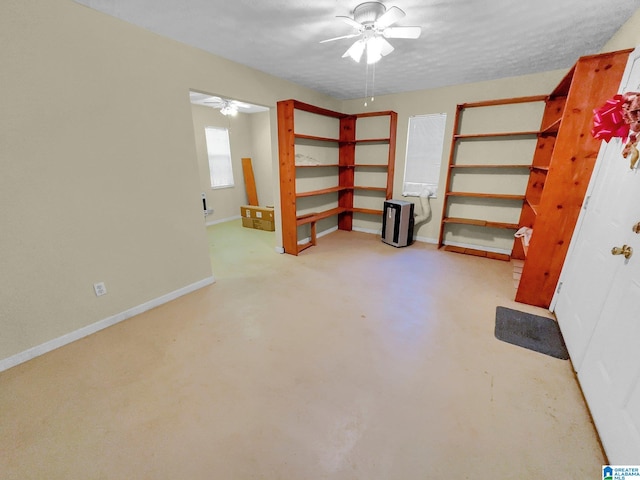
column 373, row 81
column 366, row 84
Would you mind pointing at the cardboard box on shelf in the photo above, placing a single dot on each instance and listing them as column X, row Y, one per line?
column 260, row 218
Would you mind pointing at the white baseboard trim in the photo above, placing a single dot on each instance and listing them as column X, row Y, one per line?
column 379, row 233
column 67, row 338
column 427, row 240
column 479, row 247
column 222, row 220
column 367, row 230
column 318, row 235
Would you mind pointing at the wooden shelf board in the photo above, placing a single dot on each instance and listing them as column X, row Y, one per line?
column 373, row 189
column 552, row 128
column 539, row 169
column 477, row 253
column 480, row 223
column 301, row 136
column 370, row 165
column 534, row 206
column 504, row 101
column 298, row 105
column 369, row 211
column 503, row 196
column 490, row 166
column 304, row 246
column 501, row 134
column 372, row 140
column 325, row 165
column 315, row 216
column 322, row 191
column 383, row 113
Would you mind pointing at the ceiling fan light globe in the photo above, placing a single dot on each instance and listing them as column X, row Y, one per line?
column 229, row 110
column 374, row 50
column 356, row 50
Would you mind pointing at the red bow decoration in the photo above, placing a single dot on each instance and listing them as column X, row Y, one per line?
column 609, row 121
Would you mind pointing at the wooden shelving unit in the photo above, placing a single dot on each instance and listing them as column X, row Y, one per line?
column 560, row 172
column 462, row 168
column 338, row 199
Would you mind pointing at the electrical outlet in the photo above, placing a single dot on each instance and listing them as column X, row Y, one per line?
column 100, row 289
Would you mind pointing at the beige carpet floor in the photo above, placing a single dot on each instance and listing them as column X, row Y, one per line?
column 355, row 360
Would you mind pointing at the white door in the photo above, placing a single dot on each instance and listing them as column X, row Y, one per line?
column 589, row 268
column 610, row 372
column 598, row 306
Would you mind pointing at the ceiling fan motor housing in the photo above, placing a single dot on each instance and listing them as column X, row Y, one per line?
column 368, row 12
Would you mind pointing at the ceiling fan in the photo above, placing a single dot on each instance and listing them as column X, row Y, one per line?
column 226, row 107
column 372, row 22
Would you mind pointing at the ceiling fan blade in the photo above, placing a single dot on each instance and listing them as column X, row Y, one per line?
column 238, row 104
column 339, row 38
column 385, row 47
column 351, row 22
column 355, row 51
column 389, row 17
column 402, row 32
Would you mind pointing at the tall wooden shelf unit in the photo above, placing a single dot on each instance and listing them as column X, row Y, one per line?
column 560, row 172
column 456, row 168
column 343, row 182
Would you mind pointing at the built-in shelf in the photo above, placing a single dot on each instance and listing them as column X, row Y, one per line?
column 560, row 172
column 369, row 211
column 340, row 170
column 360, row 165
column 501, row 134
column 380, row 141
column 552, row 128
column 322, row 191
column 504, row 196
column 323, row 165
column 477, row 253
column 490, row 166
column 368, row 165
column 534, row 206
column 312, row 139
column 314, row 217
column 480, row 223
column 477, row 176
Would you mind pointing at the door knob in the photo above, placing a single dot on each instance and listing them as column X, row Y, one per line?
column 636, row 228
column 625, row 250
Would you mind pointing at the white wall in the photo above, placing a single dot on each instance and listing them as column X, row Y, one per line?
column 628, row 36
column 99, row 178
column 261, row 158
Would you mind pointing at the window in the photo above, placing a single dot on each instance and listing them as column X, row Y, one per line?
column 219, row 153
column 424, row 154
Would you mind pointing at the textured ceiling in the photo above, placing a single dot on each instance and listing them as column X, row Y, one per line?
column 462, row 41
